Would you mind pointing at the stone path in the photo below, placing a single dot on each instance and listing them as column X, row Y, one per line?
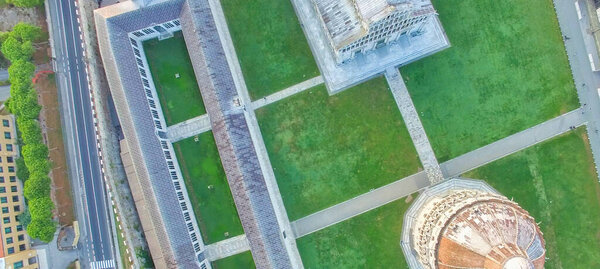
column 188, row 128
column 414, row 125
column 513, row 143
column 227, row 247
column 302, row 86
column 454, row 167
column 359, row 204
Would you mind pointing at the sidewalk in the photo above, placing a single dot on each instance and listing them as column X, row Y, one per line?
column 513, row 143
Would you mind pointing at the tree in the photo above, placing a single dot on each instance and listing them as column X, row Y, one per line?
column 41, row 208
column 34, row 151
column 42, row 228
column 30, row 130
column 24, row 218
column 26, row 32
column 25, row 3
column 37, row 166
column 14, row 50
column 20, row 72
column 22, row 171
column 37, row 186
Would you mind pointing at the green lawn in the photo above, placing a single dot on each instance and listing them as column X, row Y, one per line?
column 180, row 98
column 270, row 45
column 208, row 188
column 327, row 149
column 238, row 261
column 507, row 70
column 370, row 240
column 557, row 183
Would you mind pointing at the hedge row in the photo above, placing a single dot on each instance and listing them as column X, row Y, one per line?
column 17, row 47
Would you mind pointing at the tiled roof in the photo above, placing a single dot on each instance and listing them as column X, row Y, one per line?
column 137, row 124
column 230, row 128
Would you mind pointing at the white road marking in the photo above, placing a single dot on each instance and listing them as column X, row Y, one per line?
column 103, row 264
column 578, row 9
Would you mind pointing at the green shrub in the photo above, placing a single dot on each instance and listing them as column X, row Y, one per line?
column 41, row 208
column 41, row 228
column 37, row 187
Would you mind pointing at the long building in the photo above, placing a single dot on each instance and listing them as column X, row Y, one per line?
column 15, row 249
column 152, row 170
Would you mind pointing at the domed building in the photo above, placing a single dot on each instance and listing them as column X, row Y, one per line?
column 463, row 223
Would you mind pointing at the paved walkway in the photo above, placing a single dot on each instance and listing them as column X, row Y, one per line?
column 451, row 168
column 4, row 92
column 579, row 45
column 414, row 125
column 227, row 247
column 3, row 74
column 513, row 143
column 359, row 204
column 188, row 128
column 302, row 86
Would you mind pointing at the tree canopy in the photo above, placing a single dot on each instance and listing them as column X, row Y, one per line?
column 34, row 165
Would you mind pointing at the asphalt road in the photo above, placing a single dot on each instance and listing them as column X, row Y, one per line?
column 96, row 244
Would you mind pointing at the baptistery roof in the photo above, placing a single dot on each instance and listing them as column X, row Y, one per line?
column 469, row 228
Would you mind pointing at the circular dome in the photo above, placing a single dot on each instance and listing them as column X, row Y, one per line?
column 518, row 263
column 476, row 229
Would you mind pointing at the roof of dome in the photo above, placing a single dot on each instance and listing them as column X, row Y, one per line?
column 477, row 229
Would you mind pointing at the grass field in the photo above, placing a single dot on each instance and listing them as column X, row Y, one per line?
column 327, row 149
column 180, row 98
column 507, row 70
column 557, row 183
column 242, row 260
column 270, row 45
column 370, row 240
column 214, row 207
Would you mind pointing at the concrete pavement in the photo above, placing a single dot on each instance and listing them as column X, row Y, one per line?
column 4, row 90
column 227, row 247
column 579, row 46
column 513, row 143
column 360, row 204
column 188, row 128
column 80, row 134
column 300, row 87
column 3, row 74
